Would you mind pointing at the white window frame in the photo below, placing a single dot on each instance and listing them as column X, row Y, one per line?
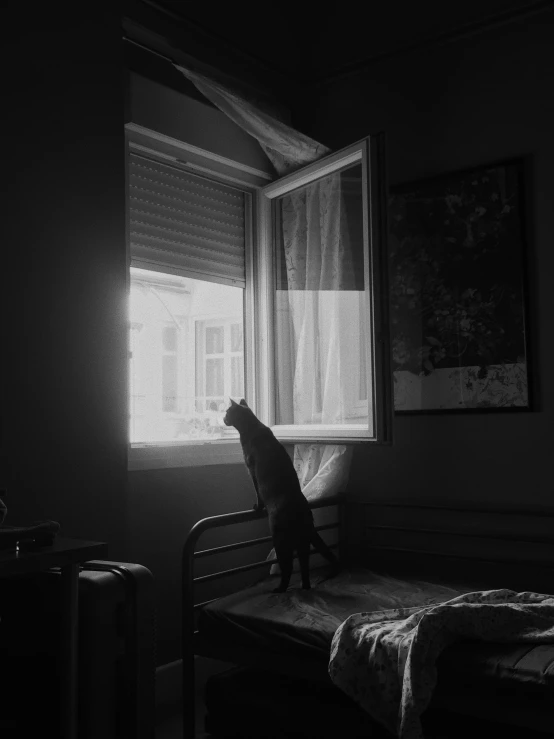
column 369, row 152
column 184, row 453
column 258, row 310
column 227, row 355
column 170, row 353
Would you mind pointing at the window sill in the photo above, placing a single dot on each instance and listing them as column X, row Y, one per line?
column 323, row 434
column 153, row 456
column 184, row 454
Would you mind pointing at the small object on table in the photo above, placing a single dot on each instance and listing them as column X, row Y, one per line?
column 37, row 534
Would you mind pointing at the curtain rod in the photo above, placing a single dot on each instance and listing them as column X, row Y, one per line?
column 198, row 66
column 147, row 48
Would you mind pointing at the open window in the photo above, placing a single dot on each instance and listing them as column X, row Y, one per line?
column 323, row 334
column 275, row 293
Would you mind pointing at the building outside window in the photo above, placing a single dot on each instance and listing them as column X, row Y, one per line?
column 187, row 356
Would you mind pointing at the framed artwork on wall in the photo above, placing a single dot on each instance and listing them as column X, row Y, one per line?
column 459, row 316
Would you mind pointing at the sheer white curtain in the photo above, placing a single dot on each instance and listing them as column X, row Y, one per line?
column 311, row 314
column 316, row 255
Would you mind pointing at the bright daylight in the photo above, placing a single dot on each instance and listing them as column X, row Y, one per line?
column 187, row 356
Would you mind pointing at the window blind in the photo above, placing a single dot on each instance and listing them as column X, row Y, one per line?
column 185, row 222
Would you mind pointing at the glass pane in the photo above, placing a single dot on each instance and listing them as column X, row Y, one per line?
column 169, row 338
column 177, row 392
column 214, row 377
column 169, row 383
column 236, row 337
column 215, row 404
column 214, row 340
column 321, row 342
column 237, row 377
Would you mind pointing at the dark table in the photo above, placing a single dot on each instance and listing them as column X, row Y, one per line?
column 66, row 554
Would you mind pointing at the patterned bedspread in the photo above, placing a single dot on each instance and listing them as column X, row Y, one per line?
column 386, row 661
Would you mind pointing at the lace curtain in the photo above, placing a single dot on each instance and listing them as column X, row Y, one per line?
column 316, row 256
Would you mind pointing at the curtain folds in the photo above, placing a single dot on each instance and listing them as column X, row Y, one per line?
column 315, row 243
column 286, row 148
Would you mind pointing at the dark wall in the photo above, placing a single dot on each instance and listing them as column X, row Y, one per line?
column 64, row 302
column 482, row 99
column 174, row 112
column 165, row 503
column 64, row 276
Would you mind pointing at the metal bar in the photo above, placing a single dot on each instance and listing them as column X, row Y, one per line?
column 251, row 543
column 235, row 570
column 232, row 547
column 479, row 535
column 228, row 519
column 326, row 526
column 187, row 598
column 539, row 511
column 247, row 568
column 468, row 557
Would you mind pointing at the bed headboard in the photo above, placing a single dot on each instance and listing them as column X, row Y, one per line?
column 495, row 547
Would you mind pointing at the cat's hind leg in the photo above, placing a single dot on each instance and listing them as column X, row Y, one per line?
column 285, row 557
column 322, row 548
column 303, row 550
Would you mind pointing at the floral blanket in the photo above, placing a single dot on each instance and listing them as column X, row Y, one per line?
column 385, row 661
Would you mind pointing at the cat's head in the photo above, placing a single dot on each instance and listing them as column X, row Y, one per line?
column 235, row 412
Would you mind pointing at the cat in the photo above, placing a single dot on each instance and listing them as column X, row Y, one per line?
column 278, row 491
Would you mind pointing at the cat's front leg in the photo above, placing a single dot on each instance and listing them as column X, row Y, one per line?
column 259, row 505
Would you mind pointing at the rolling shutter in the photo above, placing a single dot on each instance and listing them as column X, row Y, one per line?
column 185, row 222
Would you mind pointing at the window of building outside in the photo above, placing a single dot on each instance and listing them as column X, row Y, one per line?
column 187, row 356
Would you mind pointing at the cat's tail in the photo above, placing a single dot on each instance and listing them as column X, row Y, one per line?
column 321, row 547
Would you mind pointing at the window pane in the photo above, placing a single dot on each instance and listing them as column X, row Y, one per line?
column 169, row 338
column 320, row 301
column 236, row 337
column 169, row 383
column 214, row 340
column 237, row 376
column 178, row 387
column 214, row 377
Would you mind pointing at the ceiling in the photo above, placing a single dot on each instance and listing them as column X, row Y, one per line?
column 296, row 43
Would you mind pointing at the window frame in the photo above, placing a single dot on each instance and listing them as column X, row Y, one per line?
column 202, row 356
column 259, row 376
column 370, row 152
column 138, row 139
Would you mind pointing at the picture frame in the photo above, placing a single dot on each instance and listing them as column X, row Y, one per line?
column 459, row 312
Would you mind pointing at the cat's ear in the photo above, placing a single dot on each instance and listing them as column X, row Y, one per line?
column 232, row 401
column 244, row 403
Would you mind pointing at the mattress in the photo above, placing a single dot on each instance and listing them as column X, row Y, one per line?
column 302, row 622
column 511, row 683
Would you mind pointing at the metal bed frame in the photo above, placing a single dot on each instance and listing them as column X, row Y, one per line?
column 533, row 571
column 192, row 644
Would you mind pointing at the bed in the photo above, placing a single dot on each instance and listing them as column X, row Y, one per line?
column 291, row 634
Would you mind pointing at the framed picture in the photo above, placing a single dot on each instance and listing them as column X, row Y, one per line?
column 458, row 292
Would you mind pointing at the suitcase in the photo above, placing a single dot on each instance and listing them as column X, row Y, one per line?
column 116, row 691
